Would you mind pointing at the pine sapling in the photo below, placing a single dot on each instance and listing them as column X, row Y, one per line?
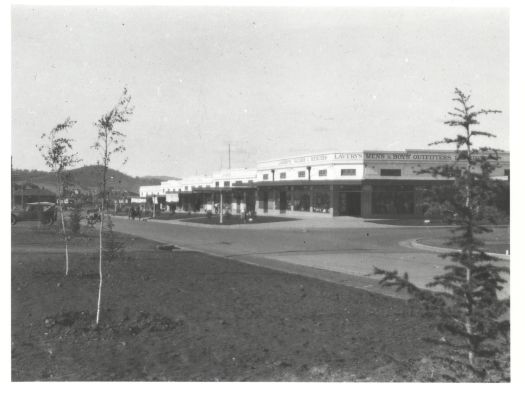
column 466, row 298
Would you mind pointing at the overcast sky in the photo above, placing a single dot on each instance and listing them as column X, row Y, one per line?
column 272, row 82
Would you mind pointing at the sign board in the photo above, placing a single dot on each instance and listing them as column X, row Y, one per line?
column 138, row 200
column 409, row 156
column 172, row 197
column 366, row 156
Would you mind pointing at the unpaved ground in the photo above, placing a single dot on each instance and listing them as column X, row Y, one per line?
column 187, row 316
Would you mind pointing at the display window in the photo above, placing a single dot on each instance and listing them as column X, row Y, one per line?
column 301, row 201
column 393, row 200
column 321, row 200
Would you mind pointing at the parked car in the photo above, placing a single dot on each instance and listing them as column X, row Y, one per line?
column 44, row 211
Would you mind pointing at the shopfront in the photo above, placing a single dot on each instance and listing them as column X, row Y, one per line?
column 349, row 201
column 297, row 199
column 393, row 200
column 360, row 184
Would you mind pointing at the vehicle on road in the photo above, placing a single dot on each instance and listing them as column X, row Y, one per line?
column 44, row 211
column 92, row 216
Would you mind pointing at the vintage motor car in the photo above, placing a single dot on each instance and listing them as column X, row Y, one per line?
column 44, row 211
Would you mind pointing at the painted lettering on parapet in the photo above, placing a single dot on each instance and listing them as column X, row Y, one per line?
column 303, row 159
column 348, row 156
column 376, row 156
column 372, row 156
column 402, row 156
column 433, row 157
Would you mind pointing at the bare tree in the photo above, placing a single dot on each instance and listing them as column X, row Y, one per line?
column 110, row 142
column 58, row 155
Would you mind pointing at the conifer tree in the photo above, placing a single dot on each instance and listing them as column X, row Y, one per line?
column 466, row 299
column 110, row 142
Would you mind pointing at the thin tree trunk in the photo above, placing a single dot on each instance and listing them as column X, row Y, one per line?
column 468, row 326
column 468, row 205
column 65, row 237
column 101, row 225
column 62, row 220
column 100, row 264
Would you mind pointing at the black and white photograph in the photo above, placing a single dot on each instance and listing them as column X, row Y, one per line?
column 228, row 193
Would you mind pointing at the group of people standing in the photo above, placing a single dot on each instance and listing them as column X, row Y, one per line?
column 134, row 213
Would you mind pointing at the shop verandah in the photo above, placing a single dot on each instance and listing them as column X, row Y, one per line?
column 380, row 198
column 235, row 200
column 368, row 198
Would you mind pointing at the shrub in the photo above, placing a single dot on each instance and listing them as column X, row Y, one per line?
column 74, row 220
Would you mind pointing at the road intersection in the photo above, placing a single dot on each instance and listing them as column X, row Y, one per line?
column 342, row 251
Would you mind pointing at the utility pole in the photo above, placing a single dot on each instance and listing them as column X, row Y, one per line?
column 12, row 185
column 220, row 215
column 22, row 195
column 154, row 201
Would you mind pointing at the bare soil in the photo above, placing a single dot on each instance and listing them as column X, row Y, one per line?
column 185, row 316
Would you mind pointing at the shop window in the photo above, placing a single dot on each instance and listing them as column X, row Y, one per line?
column 185, row 187
column 301, row 174
column 216, row 184
column 237, row 183
column 390, row 172
column 265, row 177
column 226, row 183
column 282, row 175
column 301, row 200
column 321, row 200
column 323, row 172
column 347, row 171
column 393, row 200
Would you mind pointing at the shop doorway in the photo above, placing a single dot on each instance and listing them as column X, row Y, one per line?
column 282, row 201
column 350, row 203
column 265, row 202
column 238, row 201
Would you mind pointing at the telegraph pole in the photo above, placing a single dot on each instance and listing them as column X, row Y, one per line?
column 220, row 214
column 12, row 185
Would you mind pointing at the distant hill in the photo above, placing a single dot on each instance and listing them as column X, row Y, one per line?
column 88, row 178
column 160, row 177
